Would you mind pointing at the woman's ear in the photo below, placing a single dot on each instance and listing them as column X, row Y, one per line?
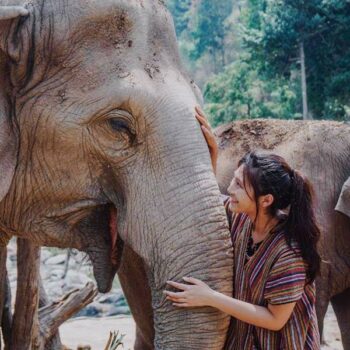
column 266, row 200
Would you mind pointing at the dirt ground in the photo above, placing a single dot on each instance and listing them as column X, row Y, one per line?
column 95, row 332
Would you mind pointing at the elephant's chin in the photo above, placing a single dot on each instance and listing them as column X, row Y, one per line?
column 104, row 246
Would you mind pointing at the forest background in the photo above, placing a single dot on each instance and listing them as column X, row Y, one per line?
column 286, row 59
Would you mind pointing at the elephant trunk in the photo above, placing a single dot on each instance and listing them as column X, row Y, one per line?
column 196, row 244
column 183, row 233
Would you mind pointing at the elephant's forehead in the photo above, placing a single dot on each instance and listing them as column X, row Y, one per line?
column 94, row 41
column 110, row 31
column 112, row 19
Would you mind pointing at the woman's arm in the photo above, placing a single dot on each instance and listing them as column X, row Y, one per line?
column 209, row 137
column 273, row 317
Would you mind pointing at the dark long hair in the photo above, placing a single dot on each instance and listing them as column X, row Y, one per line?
column 292, row 193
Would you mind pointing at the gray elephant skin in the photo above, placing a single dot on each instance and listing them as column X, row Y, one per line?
column 321, row 151
column 100, row 151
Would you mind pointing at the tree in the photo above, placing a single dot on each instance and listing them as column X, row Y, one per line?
column 209, row 30
column 180, row 12
column 239, row 93
column 310, row 35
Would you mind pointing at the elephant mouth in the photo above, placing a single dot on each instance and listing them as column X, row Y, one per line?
column 95, row 225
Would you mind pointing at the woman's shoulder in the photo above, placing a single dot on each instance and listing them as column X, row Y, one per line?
column 285, row 248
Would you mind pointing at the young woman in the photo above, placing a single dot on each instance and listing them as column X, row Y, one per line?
column 274, row 236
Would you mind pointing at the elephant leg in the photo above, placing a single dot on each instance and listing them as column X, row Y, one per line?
column 322, row 299
column 134, row 282
column 140, row 342
column 341, row 306
column 321, row 310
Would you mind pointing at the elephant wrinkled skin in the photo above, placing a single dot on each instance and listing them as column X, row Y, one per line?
column 100, row 150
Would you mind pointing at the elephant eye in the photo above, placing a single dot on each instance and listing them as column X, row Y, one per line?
column 122, row 126
column 118, row 125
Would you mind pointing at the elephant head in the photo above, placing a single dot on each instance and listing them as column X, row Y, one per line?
column 101, row 148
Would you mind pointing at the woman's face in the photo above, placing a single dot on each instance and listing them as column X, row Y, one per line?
column 241, row 198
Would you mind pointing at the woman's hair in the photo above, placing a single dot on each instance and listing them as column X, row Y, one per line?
column 270, row 174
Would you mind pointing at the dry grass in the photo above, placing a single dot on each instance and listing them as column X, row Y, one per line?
column 115, row 340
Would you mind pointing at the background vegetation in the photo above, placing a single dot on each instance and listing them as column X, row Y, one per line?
column 267, row 58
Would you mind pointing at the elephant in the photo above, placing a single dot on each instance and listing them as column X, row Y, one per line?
column 321, row 151
column 100, row 151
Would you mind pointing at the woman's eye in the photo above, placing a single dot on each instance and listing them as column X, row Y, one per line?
column 238, row 183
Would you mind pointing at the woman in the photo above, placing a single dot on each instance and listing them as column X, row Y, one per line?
column 274, row 236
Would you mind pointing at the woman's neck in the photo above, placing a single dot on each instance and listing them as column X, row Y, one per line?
column 263, row 224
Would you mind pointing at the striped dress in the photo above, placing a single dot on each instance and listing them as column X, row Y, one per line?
column 275, row 274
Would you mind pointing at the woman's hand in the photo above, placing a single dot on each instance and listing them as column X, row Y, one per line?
column 209, row 137
column 9, row 12
column 197, row 294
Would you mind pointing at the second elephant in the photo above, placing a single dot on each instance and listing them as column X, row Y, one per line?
column 321, row 151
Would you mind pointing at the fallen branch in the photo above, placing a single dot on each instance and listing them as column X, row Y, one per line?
column 55, row 342
column 53, row 315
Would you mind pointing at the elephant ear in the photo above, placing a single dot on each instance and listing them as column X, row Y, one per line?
column 343, row 204
column 8, row 139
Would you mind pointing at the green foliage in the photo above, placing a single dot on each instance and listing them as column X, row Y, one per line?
column 323, row 26
column 201, row 29
column 263, row 77
column 180, row 12
column 239, row 93
column 209, row 29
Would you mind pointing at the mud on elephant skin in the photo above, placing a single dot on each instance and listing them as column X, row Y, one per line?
column 102, row 149
column 321, row 150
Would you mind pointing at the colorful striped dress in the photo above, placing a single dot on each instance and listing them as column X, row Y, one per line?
column 275, row 274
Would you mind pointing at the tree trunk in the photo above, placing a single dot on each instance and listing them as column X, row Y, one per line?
column 223, row 61
column 25, row 331
column 303, row 81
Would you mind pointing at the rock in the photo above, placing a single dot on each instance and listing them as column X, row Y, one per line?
column 12, row 278
column 56, row 274
column 118, row 310
column 77, row 278
column 13, row 257
column 111, row 298
column 56, row 260
column 53, row 289
column 45, row 254
column 92, row 310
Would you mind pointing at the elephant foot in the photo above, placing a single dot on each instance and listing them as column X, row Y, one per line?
column 341, row 306
column 141, row 343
